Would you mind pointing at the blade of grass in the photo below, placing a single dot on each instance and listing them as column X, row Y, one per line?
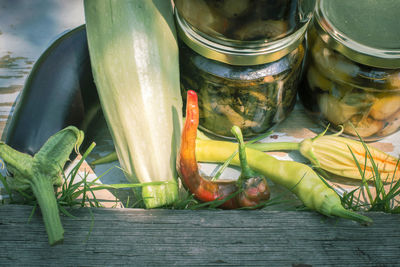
column 121, row 186
column 364, row 183
column 65, row 212
column 84, row 192
column 6, row 187
column 79, row 164
column 28, row 197
column 215, row 203
column 91, row 226
column 384, row 199
column 32, row 212
column 222, row 168
column 93, row 199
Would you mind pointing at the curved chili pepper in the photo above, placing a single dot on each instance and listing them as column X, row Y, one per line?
column 246, row 192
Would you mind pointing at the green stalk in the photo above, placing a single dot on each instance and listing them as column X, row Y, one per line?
column 247, row 172
column 276, row 146
column 159, row 195
column 43, row 190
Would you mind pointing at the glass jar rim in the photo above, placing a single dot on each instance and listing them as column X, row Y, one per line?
column 352, row 49
column 236, row 52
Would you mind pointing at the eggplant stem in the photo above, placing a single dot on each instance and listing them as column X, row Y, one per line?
column 43, row 190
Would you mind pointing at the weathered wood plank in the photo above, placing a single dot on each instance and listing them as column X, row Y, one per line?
column 106, row 237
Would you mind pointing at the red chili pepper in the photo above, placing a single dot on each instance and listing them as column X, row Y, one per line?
column 248, row 192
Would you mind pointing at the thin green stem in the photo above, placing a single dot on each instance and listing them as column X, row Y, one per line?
column 228, row 160
column 247, row 172
column 43, row 190
column 275, row 146
column 6, row 187
column 77, row 167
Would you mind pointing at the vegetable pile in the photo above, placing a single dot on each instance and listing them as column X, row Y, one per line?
column 134, row 58
column 297, row 177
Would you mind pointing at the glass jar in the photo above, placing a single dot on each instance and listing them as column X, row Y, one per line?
column 353, row 77
column 245, row 20
column 248, row 83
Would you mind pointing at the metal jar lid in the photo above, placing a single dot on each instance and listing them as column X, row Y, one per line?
column 235, row 52
column 364, row 31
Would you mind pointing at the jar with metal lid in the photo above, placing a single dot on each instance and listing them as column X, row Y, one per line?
column 248, row 76
column 353, row 77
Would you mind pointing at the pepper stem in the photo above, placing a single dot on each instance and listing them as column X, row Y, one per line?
column 43, row 190
column 247, row 172
column 275, row 146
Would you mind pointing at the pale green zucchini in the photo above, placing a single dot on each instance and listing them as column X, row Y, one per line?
column 134, row 56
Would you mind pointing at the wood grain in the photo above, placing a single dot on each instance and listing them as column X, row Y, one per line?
column 134, row 237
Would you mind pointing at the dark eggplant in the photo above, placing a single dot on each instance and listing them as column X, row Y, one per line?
column 58, row 92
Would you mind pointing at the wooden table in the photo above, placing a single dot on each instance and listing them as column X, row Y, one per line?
column 106, row 237
column 130, row 237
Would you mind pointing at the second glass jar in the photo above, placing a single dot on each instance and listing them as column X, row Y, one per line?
column 352, row 80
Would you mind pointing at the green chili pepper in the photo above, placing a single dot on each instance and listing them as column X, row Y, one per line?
column 340, row 156
column 297, row 177
column 41, row 172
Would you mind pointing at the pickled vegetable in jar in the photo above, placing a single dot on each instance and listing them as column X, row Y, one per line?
column 255, row 98
column 251, row 84
column 353, row 77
